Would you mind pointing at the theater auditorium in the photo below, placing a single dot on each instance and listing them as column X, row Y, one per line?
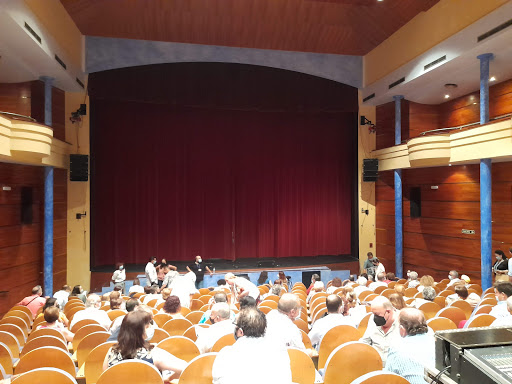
column 247, row 191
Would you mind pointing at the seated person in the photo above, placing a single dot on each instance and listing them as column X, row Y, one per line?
column 390, row 277
column 172, row 307
column 454, row 278
column 397, row 300
column 280, row 326
column 425, row 281
column 247, row 302
column 317, row 287
column 337, row 314
column 413, row 279
column 153, row 294
column 116, row 324
column 135, row 288
column 116, row 302
column 504, row 320
column 429, row 294
column 51, row 316
column 132, row 343
column 314, row 279
column 461, row 293
column 336, row 283
column 381, row 276
column 92, row 311
column 221, row 326
column 219, row 297
column 502, row 290
column 275, row 290
column 52, row 302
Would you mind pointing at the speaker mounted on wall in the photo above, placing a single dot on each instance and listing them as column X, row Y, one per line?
column 370, row 169
column 78, row 167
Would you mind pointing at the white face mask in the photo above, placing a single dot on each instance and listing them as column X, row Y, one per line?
column 450, row 277
column 121, row 267
column 199, row 260
column 150, row 332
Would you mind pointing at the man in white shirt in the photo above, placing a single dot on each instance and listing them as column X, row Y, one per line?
column 93, row 312
column 233, row 363
column 184, row 287
column 170, row 275
column 379, row 267
column 379, row 283
column 136, row 287
column 502, row 290
column 152, row 295
column 504, row 320
column 242, row 287
column 383, row 328
column 454, row 278
column 280, row 326
column 62, row 296
column 362, row 286
column 220, row 317
column 119, row 276
column 335, row 317
column 151, row 275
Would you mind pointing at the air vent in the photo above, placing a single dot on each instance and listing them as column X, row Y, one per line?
column 430, row 65
column 59, row 60
column 493, row 31
column 80, row 83
column 399, row 81
column 33, row 33
column 369, row 97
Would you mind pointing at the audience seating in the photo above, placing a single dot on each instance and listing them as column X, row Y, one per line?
column 489, row 301
column 387, row 292
column 114, row 314
column 105, row 307
column 131, row 371
column 306, row 340
column 37, row 322
column 441, row 324
column 205, row 299
column 195, row 305
column 23, row 309
column 445, row 293
column 191, row 334
column 464, row 305
column 72, row 312
column 45, row 376
column 185, row 311
column 83, row 323
column 265, row 309
column 88, row 343
column 159, row 335
column 350, row 361
column 302, row 367
column 161, row 319
column 160, row 306
column 333, row 338
column 429, row 309
column 453, row 313
column 441, row 301
column 363, row 324
column 93, row 365
column 318, row 314
column 84, row 331
column 486, row 308
column 15, row 331
column 152, row 303
column 224, row 341
column 16, row 321
column 269, row 303
column 177, row 327
column 481, row 320
column 370, row 297
column 488, row 290
column 180, row 347
column 11, row 342
column 364, row 294
column 6, row 358
column 194, row 316
column 46, row 357
column 199, row 370
column 204, row 308
column 379, row 377
column 301, row 324
column 43, row 341
column 46, row 332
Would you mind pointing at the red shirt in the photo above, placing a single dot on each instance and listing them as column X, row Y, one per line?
column 33, row 303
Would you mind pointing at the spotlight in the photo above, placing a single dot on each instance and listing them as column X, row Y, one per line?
column 492, row 78
column 446, row 96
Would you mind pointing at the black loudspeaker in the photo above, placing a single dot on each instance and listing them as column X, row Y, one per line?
column 78, row 167
column 26, row 205
column 415, row 200
column 370, row 169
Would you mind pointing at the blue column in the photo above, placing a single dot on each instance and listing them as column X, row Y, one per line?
column 48, row 198
column 485, row 180
column 398, row 193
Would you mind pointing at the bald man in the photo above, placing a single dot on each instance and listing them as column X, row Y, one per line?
column 383, row 328
column 415, row 351
column 280, row 326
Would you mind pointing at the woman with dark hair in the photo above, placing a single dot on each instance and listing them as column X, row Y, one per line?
column 132, row 343
column 78, row 292
column 500, row 267
column 283, row 278
column 263, row 279
column 172, row 307
column 52, row 302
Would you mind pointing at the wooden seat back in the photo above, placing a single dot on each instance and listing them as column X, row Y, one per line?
column 195, row 305
column 333, row 338
column 191, row 333
column 453, row 313
column 46, row 332
column 489, row 301
column 177, row 327
column 93, row 365
column 114, row 314
column 302, row 325
column 6, row 359
column 306, row 340
column 318, row 315
column 379, row 377
column 265, row 309
column 441, row 324
column 363, row 324
column 445, row 293
column 484, row 309
column 24, row 309
column 350, row 361
column 162, row 318
column 88, row 343
column 429, row 309
column 43, row 341
column 46, row 375
column 83, row 332
column 268, row 303
column 224, row 341
column 159, row 335
column 440, row 300
column 21, row 315
column 11, row 342
column 15, row 331
column 482, row 320
column 16, row 321
column 185, row 311
column 194, row 316
column 464, row 305
column 83, row 323
column 380, row 289
column 362, row 296
column 303, row 368
column 131, row 371
column 180, row 347
column 199, row 370
column 72, row 312
column 387, row 292
column 46, row 357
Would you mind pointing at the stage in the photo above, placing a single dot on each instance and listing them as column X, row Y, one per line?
column 328, row 266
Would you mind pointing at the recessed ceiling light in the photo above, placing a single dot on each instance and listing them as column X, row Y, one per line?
column 492, row 78
column 446, row 96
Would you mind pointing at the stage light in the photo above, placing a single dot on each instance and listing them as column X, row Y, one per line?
column 492, row 78
column 446, row 96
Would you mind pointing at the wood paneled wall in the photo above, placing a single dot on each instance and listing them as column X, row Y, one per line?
column 28, row 99
column 417, row 118
column 21, row 246
column 434, row 243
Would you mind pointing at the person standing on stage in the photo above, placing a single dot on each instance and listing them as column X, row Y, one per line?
column 119, row 276
column 151, row 275
column 198, row 268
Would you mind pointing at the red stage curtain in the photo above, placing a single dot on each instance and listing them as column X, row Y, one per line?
column 174, row 182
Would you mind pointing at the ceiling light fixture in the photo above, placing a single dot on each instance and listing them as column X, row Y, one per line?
column 492, row 78
column 446, row 96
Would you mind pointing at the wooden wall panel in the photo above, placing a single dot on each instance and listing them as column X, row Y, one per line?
column 60, row 228
column 15, row 98
column 385, row 131
column 434, row 243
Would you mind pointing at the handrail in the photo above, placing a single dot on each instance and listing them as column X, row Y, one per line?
column 463, row 126
column 17, row 115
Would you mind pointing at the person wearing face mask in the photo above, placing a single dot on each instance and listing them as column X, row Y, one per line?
column 231, row 364
column 220, row 317
column 119, row 276
column 150, row 271
column 454, row 278
column 416, row 349
column 133, row 343
column 500, row 267
column 383, row 328
column 502, row 290
column 198, row 268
